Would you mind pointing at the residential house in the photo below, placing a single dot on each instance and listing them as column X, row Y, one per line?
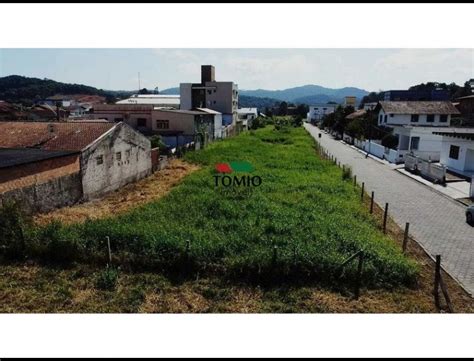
column 216, row 95
column 178, row 127
column 413, row 122
column 356, row 114
column 46, row 113
column 246, row 116
column 182, row 127
column 457, row 150
column 318, row 111
column 138, row 116
column 50, row 165
column 10, row 112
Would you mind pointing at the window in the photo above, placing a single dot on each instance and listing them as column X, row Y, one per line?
column 209, row 92
column 385, row 118
column 118, row 120
column 380, row 118
column 415, row 118
column 443, row 118
column 454, row 152
column 118, row 156
column 141, row 122
column 325, row 108
column 415, row 142
column 391, row 115
column 127, row 153
column 316, row 108
column 162, row 124
column 430, row 118
column 99, row 160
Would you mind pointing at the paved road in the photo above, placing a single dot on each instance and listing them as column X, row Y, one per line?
column 436, row 222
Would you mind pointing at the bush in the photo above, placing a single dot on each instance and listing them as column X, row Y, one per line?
column 157, row 142
column 107, row 279
column 347, row 173
column 12, row 226
column 390, row 141
column 258, row 122
column 54, row 246
column 297, row 121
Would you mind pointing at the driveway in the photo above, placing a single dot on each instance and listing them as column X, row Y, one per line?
column 436, row 222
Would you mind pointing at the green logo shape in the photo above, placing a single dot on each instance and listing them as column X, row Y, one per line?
column 241, row 166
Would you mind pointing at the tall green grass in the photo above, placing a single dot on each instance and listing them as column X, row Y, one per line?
column 301, row 223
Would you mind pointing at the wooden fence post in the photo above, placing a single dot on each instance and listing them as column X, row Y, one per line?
column 359, row 275
column 372, row 202
column 385, row 215
column 436, row 280
column 405, row 237
column 275, row 255
column 362, row 192
column 355, row 180
column 109, row 249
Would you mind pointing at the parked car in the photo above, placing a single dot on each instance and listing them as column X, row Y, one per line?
column 470, row 214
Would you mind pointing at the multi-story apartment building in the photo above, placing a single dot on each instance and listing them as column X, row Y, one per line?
column 222, row 96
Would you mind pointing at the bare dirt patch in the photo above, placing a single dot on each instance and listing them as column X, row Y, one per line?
column 132, row 195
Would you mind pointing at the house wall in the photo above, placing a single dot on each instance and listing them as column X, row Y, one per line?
column 177, row 121
column 185, row 96
column 42, row 186
column 429, row 146
column 218, row 126
column 135, row 163
column 129, row 117
column 405, row 119
column 464, row 154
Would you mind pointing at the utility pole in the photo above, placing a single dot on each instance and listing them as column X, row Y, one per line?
column 139, row 86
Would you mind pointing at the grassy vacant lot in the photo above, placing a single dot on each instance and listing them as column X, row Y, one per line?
column 303, row 207
column 301, row 223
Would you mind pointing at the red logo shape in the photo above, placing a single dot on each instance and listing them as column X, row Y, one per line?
column 223, row 168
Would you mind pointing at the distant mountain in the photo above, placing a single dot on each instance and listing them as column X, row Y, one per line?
column 246, row 101
column 25, row 90
column 172, row 91
column 307, row 94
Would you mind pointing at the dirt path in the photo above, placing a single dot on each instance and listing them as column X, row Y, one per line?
column 130, row 196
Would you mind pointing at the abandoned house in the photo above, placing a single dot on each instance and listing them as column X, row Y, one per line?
column 50, row 165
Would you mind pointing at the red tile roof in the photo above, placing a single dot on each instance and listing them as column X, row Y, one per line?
column 51, row 136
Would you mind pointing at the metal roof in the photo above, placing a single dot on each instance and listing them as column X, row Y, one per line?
column 10, row 157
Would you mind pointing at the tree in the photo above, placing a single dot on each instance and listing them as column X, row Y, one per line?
column 144, row 91
column 283, row 108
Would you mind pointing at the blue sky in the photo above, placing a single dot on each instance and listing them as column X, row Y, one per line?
column 370, row 69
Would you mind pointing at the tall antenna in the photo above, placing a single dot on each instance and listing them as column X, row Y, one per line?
column 139, row 87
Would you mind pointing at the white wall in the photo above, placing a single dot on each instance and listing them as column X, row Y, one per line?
column 460, row 163
column 316, row 112
column 217, row 126
column 405, row 119
column 112, row 174
column 429, row 146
